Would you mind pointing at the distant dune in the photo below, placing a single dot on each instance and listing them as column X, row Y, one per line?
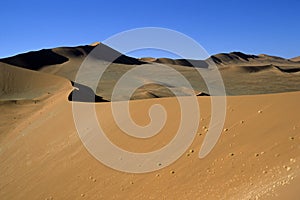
column 35, row 60
column 228, row 59
column 235, row 68
column 296, row 59
column 234, row 57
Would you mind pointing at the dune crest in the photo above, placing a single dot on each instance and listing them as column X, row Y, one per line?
column 17, row 84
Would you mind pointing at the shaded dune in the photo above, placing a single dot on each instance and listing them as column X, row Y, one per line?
column 261, row 61
column 183, row 62
column 74, row 52
column 239, row 59
column 161, row 90
column 152, row 90
column 288, row 70
column 255, row 69
column 223, row 58
column 35, row 60
column 103, row 52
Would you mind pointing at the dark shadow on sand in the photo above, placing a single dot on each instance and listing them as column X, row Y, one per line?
column 82, row 93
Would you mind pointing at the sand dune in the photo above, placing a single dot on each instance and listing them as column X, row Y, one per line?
column 36, row 60
column 229, row 60
column 226, row 58
column 42, row 157
column 257, row 156
column 182, row 62
column 296, row 59
column 235, row 68
column 153, row 90
column 23, row 93
column 271, row 67
column 241, row 59
column 17, row 84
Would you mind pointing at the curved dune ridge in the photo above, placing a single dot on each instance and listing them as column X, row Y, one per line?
column 18, row 84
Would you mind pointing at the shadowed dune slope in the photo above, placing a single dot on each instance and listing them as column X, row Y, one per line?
column 254, row 69
column 183, row 62
column 225, row 58
column 238, row 58
column 240, row 72
column 36, row 60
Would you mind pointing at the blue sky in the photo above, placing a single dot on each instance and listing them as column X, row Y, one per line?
column 271, row 27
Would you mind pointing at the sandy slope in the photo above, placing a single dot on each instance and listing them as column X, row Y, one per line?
column 23, row 92
column 296, row 59
column 18, row 84
column 257, row 157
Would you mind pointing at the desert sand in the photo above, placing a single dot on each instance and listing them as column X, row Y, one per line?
column 256, row 157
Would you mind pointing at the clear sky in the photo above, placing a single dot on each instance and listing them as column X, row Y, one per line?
column 256, row 26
